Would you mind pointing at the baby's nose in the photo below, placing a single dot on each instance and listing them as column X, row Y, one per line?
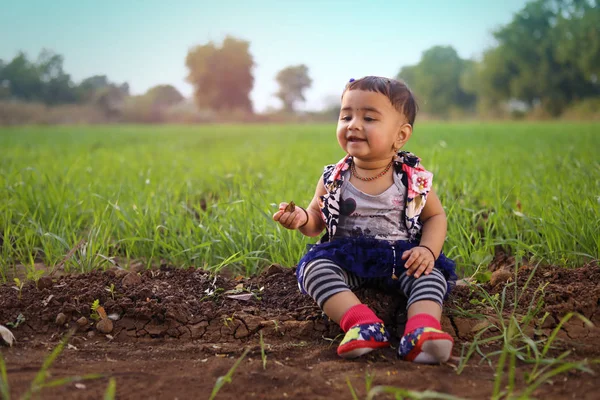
column 354, row 124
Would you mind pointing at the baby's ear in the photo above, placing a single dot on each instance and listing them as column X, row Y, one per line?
column 404, row 133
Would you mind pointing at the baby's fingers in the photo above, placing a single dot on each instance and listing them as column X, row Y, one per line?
column 424, row 269
column 406, row 254
column 287, row 218
column 430, row 267
column 412, row 258
column 277, row 215
column 415, row 261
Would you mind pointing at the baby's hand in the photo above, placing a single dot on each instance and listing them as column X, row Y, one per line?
column 290, row 216
column 419, row 260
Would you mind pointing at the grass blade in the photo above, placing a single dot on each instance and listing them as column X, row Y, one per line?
column 222, row 380
column 111, row 389
column 4, row 387
column 352, row 391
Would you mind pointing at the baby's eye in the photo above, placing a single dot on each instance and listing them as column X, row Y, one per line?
column 369, row 119
column 345, row 118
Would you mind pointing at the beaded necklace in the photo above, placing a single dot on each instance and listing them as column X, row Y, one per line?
column 372, row 178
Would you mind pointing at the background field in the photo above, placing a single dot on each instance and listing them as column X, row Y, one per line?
column 204, row 195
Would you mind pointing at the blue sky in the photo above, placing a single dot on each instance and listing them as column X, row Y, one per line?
column 145, row 43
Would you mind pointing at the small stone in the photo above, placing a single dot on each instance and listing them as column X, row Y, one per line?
column 77, row 341
column 500, row 276
column 61, row 319
column 45, row 282
column 69, row 308
column 91, row 334
column 131, row 279
column 104, row 326
column 6, row 336
column 85, row 309
column 82, row 322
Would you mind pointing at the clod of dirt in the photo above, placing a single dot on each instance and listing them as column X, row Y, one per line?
column 119, row 273
column 131, row 279
column 61, row 319
column 549, row 322
column 82, row 322
column 137, row 267
column 104, row 326
column 274, row 269
column 500, row 276
column 45, row 282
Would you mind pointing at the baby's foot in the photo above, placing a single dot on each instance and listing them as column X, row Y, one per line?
column 361, row 339
column 426, row 346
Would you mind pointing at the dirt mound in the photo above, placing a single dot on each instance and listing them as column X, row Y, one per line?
column 192, row 304
column 170, row 310
column 185, row 304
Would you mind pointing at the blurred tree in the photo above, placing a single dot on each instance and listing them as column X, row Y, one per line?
column 4, row 83
column 292, row 81
column 164, row 96
column 222, row 76
column 43, row 80
column 57, row 87
column 153, row 106
column 408, row 74
column 577, row 34
column 22, row 78
column 547, row 55
column 90, row 85
column 106, row 95
column 110, row 99
column 436, row 80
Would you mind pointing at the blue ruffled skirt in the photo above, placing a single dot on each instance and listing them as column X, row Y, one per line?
column 370, row 258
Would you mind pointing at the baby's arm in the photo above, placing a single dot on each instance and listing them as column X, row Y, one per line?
column 420, row 260
column 297, row 219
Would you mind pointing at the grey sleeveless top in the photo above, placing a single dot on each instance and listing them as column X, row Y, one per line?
column 380, row 216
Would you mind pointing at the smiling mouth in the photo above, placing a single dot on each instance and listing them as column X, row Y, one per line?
column 355, row 139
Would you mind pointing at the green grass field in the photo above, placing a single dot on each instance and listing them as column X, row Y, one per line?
column 204, row 195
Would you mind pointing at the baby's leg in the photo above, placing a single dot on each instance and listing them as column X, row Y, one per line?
column 339, row 304
column 423, row 340
column 331, row 287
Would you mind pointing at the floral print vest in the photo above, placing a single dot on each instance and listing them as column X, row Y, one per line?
column 416, row 180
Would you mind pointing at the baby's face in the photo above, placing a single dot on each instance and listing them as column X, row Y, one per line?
column 369, row 125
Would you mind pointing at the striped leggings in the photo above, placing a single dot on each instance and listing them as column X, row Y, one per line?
column 323, row 278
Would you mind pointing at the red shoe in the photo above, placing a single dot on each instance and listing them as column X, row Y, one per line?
column 426, row 346
column 362, row 339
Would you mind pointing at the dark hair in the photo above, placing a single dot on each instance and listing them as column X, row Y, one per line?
column 396, row 91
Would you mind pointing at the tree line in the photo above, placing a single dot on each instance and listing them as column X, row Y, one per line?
column 44, row 81
column 546, row 59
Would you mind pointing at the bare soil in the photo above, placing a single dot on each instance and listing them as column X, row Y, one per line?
column 176, row 331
